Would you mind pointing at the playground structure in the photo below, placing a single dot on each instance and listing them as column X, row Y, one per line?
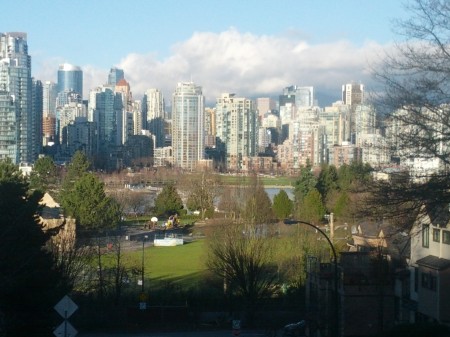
column 172, row 222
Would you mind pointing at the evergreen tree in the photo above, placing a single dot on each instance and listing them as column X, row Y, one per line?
column 90, row 206
column 44, row 174
column 168, row 202
column 328, row 180
column 30, row 284
column 78, row 166
column 305, row 182
column 312, row 209
column 282, row 205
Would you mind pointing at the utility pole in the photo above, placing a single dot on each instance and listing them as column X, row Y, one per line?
column 332, row 227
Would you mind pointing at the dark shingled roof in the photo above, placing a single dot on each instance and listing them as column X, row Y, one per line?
column 434, row 262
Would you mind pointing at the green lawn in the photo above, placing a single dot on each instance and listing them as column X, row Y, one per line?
column 266, row 180
column 175, row 262
column 182, row 264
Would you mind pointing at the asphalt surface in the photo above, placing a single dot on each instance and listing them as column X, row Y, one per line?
column 215, row 333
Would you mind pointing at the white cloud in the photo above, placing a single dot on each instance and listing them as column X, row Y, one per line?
column 245, row 64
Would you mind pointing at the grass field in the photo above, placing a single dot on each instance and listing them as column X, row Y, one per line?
column 266, row 180
column 181, row 264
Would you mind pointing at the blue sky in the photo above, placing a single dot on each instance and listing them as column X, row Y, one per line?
column 249, row 47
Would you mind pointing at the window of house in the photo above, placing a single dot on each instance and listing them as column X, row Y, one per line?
column 446, row 237
column 436, row 235
column 429, row 281
column 425, row 236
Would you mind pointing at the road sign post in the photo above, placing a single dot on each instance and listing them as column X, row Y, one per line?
column 65, row 308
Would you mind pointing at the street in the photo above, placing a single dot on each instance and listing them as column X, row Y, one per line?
column 215, row 333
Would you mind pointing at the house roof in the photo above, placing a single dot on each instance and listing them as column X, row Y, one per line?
column 434, row 262
column 48, row 201
column 50, row 209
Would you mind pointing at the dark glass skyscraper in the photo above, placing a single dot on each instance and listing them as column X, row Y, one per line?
column 115, row 75
column 70, row 78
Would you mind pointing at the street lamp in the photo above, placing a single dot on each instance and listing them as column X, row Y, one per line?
column 336, row 294
column 142, row 283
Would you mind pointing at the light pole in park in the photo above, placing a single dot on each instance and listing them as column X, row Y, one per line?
column 143, row 243
column 336, row 330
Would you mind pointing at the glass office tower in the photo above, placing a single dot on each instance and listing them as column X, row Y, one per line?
column 70, row 78
column 16, row 141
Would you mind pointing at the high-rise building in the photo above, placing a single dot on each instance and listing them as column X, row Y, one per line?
column 115, row 75
column 107, row 112
column 36, row 118
column 299, row 96
column 353, row 94
column 265, row 105
column 210, row 127
column 66, row 115
column 187, row 125
column 70, row 78
column 154, row 112
column 123, row 88
column 64, row 102
column 49, row 112
column 236, row 127
column 137, row 117
column 16, row 99
column 80, row 135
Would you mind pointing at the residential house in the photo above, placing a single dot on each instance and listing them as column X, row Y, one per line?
column 423, row 289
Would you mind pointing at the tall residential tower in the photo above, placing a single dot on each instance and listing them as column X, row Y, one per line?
column 187, row 125
column 16, row 106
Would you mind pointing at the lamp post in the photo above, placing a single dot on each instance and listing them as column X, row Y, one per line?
column 143, row 242
column 336, row 294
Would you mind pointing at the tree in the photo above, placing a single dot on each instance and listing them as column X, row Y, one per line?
column 203, row 191
column 243, row 258
column 130, row 201
column 305, row 182
column 93, row 212
column 231, row 200
column 77, row 167
column 415, row 97
column 168, row 202
column 282, row 205
column 90, row 206
column 258, row 207
column 27, row 270
column 327, row 180
column 44, row 174
column 312, row 209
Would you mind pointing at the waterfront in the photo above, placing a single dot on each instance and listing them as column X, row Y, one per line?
column 272, row 191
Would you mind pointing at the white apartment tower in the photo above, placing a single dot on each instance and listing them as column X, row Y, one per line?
column 187, row 125
column 154, row 114
column 236, row 127
column 353, row 96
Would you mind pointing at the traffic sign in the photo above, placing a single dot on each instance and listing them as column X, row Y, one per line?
column 65, row 330
column 66, row 307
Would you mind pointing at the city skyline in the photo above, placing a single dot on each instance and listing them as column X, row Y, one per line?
column 251, row 48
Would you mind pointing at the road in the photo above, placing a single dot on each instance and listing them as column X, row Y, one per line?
column 215, row 333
